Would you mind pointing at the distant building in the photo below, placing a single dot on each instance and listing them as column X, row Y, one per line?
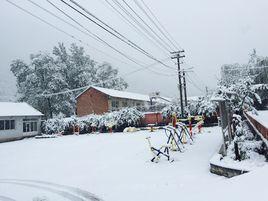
column 98, row 100
column 18, row 120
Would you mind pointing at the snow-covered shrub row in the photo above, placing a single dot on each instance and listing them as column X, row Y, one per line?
column 117, row 120
column 250, row 147
column 202, row 106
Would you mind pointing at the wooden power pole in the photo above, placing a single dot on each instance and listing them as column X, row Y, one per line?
column 178, row 55
column 184, row 88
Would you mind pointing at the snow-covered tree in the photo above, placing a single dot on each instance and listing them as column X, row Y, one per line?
column 41, row 76
column 240, row 95
column 172, row 108
column 203, row 106
column 61, row 71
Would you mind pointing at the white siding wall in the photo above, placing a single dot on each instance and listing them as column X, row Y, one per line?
column 17, row 133
column 122, row 101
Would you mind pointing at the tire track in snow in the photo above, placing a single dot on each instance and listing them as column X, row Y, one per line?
column 4, row 198
column 64, row 194
column 77, row 191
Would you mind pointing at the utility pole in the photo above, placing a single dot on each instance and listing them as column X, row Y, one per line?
column 184, row 88
column 206, row 91
column 177, row 55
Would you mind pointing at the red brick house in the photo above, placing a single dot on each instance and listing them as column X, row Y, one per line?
column 98, row 100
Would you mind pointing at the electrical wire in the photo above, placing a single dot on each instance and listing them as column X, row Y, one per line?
column 154, row 23
column 132, row 25
column 123, row 38
column 193, row 84
column 75, row 27
column 122, row 8
column 96, row 36
column 129, row 58
column 161, row 25
column 168, row 47
column 100, row 83
column 73, row 37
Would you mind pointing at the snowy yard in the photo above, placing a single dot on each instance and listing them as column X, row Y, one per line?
column 117, row 167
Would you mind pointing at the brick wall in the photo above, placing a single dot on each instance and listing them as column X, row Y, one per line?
column 261, row 128
column 91, row 102
column 154, row 118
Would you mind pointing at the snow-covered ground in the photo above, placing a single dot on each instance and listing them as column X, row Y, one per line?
column 117, row 167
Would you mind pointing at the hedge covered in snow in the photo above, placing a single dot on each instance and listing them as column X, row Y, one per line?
column 118, row 120
column 202, row 106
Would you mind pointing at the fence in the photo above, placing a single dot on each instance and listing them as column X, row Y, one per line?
column 257, row 125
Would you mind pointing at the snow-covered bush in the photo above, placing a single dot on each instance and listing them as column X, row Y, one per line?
column 202, row 106
column 249, row 146
column 58, row 125
column 129, row 117
column 170, row 109
column 239, row 95
column 117, row 119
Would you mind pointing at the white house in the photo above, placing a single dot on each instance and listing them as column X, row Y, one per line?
column 18, row 120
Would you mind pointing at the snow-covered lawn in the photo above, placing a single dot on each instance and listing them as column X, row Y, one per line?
column 117, row 167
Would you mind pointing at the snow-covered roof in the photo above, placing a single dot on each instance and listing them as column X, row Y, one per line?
column 128, row 95
column 120, row 94
column 194, row 98
column 260, row 87
column 123, row 94
column 17, row 109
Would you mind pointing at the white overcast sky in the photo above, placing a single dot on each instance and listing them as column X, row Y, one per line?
column 212, row 32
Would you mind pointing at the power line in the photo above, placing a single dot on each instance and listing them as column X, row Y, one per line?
column 75, row 27
column 96, row 37
column 161, row 25
column 77, row 89
column 193, row 84
column 97, row 24
column 121, row 7
column 55, row 27
column 140, row 25
column 100, row 83
column 157, row 27
column 123, row 38
column 151, row 29
column 100, row 39
column 136, row 28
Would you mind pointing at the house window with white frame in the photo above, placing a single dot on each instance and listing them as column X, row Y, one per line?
column 7, row 124
column 29, row 125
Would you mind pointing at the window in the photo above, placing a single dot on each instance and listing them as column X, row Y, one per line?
column 138, row 104
column 12, row 124
column 29, row 125
column 2, row 125
column 24, row 127
column 7, row 124
column 115, row 103
column 124, row 103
